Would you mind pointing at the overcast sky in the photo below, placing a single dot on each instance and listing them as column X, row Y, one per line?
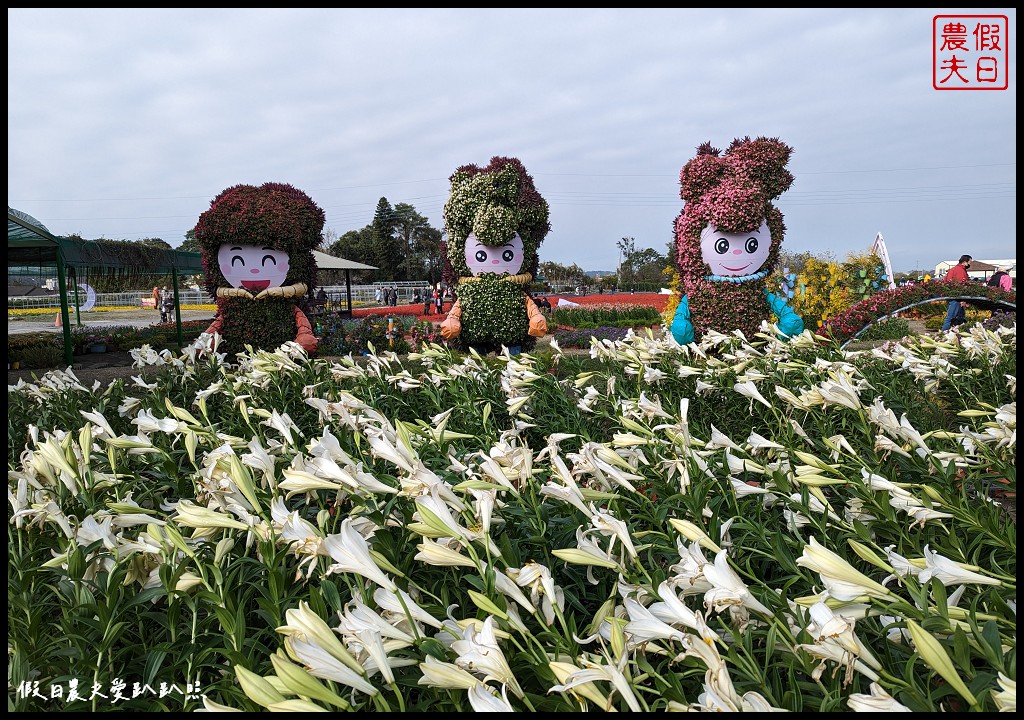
column 124, row 124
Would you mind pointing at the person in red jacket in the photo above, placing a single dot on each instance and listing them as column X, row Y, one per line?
column 954, row 313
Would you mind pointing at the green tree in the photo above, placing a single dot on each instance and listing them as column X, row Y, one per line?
column 416, row 242
column 357, row 245
column 627, row 246
column 386, row 248
column 189, row 244
column 646, row 266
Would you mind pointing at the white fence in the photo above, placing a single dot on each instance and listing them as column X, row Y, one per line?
column 361, row 295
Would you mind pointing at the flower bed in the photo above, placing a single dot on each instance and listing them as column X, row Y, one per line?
column 610, row 300
column 847, row 324
column 649, row 528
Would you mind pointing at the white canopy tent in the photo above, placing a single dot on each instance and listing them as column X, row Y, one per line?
column 333, row 262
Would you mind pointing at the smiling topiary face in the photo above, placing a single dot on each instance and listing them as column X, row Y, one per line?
column 729, row 195
column 274, row 216
column 493, row 212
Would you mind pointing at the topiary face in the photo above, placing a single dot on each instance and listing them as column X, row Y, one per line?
column 729, row 196
column 492, row 210
column 253, row 267
column 272, row 217
column 735, row 254
column 499, row 259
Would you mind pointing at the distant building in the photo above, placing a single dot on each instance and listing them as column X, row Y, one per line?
column 19, row 290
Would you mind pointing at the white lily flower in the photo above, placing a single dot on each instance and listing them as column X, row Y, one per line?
column 568, row 492
column 376, row 659
column 585, row 690
column 197, row 516
column 949, row 572
column 590, row 397
column 901, row 566
column 721, row 440
column 758, row 443
column 909, row 433
column 742, row 489
column 440, row 674
column 441, row 554
column 595, row 672
column 884, row 446
column 1006, row 698
column 843, row 581
column 284, row 425
column 588, row 552
column 322, row 664
column 612, row 527
column 358, row 616
column 688, row 574
column 97, row 419
column 92, row 530
column 542, row 587
column 259, row 459
column 670, row 609
column 478, row 652
column 749, row 389
column 353, row 476
column 351, row 553
column 381, row 446
column 653, row 375
column 483, row 699
column 877, row 482
column 903, row 500
column 399, row 604
column 878, row 701
column 728, row 589
column 505, row 583
column 644, row 626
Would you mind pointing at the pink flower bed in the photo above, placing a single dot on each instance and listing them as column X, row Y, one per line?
column 655, row 300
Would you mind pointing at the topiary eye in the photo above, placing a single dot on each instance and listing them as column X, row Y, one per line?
column 481, row 256
column 751, row 246
column 508, row 255
column 722, row 246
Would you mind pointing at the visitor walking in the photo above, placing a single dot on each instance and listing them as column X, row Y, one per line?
column 955, row 313
column 1001, row 279
column 166, row 304
column 439, row 299
column 378, row 296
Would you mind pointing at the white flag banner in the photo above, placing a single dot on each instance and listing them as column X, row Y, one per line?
column 879, row 249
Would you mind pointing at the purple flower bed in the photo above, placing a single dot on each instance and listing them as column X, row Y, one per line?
column 572, row 338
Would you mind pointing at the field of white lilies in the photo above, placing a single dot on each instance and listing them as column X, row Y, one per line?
column 737, row 525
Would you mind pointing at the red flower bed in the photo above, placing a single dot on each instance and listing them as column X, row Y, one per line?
column 655, row 300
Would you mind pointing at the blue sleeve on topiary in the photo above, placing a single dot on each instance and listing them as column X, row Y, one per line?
column 682, row 328
column 789, row 322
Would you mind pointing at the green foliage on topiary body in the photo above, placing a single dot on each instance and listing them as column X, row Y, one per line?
column 493, row 314
column 264, row 324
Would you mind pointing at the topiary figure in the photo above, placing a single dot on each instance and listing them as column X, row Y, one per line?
column 495, row 221
column 728, row 237
column 257, row 248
